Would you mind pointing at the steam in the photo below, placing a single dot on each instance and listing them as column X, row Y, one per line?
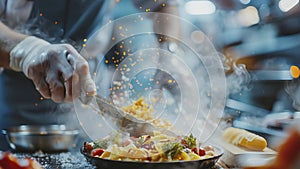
column 193, row 71
column 239, row 79
column 66, row 115
column 293, row 90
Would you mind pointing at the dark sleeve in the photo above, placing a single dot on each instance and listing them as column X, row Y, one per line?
column 2, row 8
column 65, row 19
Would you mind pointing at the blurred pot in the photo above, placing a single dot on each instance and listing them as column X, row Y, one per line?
column 46, row 138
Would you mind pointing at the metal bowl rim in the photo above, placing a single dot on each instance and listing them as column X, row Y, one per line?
column 51, row 133
column 39, row 130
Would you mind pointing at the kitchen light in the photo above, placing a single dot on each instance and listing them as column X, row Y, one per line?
column 248, row 16
column 286, row 5
column 245, row 2
column 200, row 7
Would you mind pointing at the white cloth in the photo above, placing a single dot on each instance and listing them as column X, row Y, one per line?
column 20, row 56
column 51, row 68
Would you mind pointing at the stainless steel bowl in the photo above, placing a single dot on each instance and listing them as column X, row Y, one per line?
column 46, row 137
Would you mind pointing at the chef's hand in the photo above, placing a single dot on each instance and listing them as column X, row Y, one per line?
column 55, row 69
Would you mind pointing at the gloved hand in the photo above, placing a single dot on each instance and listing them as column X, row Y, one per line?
column 58, row 71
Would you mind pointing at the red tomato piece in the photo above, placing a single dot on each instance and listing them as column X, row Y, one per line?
column 201, row 152
column 97, row 152
column 195, row 150
column 88, row 147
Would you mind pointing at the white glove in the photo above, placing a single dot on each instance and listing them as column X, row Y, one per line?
column 58, row 71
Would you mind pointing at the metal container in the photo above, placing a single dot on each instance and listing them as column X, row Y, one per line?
column 46, row 138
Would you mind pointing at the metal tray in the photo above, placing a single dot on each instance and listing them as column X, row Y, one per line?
column 197, row 164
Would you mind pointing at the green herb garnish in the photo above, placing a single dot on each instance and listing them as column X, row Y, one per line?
column 172, row 150
column 103, row 143
column 190, row 141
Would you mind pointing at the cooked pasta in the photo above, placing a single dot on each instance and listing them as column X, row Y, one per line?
column 157, row 148
column 143, row 111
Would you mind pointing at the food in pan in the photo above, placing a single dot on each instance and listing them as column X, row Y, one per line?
column 244, row 138
column 155, row 148
column 146, row 148
column 9, row 161
column 143, row 111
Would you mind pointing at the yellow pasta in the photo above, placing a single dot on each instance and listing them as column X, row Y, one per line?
column 156, row 148
column 143, row 111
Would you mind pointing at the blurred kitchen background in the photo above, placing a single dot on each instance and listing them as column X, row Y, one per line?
column 260, row 36
column 263, row 35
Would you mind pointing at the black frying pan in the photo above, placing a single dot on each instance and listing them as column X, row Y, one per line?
column 113, row 164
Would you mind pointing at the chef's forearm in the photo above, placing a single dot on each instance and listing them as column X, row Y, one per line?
column 8, row 40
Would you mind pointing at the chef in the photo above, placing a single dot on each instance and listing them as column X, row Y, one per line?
column 39, row 60
column 39, row 70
